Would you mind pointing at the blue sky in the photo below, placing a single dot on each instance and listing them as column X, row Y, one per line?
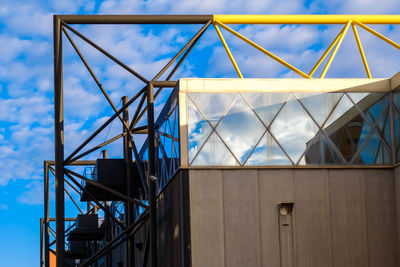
column 26, row 79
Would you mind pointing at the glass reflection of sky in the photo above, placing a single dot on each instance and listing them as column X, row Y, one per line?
column 254, row 129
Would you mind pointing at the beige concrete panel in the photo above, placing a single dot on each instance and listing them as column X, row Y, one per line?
column 395, row 81
column 312, row 226
column 206, row 218
column 286, row 85
column 397, row 191
column 242, row 218
column 381, row 222
column 183, row 130
column 275, row 186
column 348, row 218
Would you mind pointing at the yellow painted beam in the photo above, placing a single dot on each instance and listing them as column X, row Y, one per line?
column 360, row 48
column 377, row 34
column 306, row 19
column 339, row 42
column 283, row 62
column 228, row 51
column 326, row 52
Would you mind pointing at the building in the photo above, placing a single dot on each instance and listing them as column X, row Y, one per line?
column 243, row 172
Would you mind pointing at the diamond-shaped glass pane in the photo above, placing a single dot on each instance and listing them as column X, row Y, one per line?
column 343, row 112
column 368, row 153
column 240, row 129
column 198, row 129
column 266, row 105
column 321, row 151
column 302, row 161
column 293, row 128
column 267, row 152
column 374, row 106
column 319, row 105
column 214, row 153
column 213, row 106
column 357, row 97
column 384, row 127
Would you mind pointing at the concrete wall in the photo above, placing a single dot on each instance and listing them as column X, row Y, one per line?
column 341, row 217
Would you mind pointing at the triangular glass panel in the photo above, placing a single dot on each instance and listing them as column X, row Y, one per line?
column 320, row 150
column 267, row 153
column 198, row 129
column 214, row 153
column 213, row 106
column 369, row 150
column 319, row 105
column 373, row 110
column 357, row 97
column 302, row 161
column 384, row 127
column 240, row 129
column 266, row 105
column 343, row 112
column 176, row 151
column 293, row 128
column 383, row 155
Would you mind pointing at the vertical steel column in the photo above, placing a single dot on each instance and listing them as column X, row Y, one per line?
column 41, row 242
column 151, row 173
column 107, row 220
column 129, row 183
column 59, row 140
column 392, row 137
column 46, row 214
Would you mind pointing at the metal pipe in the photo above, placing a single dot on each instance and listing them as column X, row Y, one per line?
column 133, row 72
column 129, row 184
column 59, row 140
column 360, row 48
column 107, row 189
column 392, row 132
column 136, row 19
column 228, row 51
column 306, row 19
column 97, row 147
column 67, row 161
column 131, row 230
column 193, row 39
column 151, row 173
column 41, row 242
column 94, row 200
column 76, row 204
column 46, row 214
column 263, row 50
column 339, row 42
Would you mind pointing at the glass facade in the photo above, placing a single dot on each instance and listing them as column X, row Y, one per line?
column 277, row 129
column 264, row 129
column 166, row 142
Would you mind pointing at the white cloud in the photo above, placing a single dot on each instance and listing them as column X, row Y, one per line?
column 33, row 194
column 26, row 71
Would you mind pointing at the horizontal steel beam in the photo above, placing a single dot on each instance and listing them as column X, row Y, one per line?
column 306, row 19
column 164, row 83
column 75, row 163
column 135, row 19
column 229, row 19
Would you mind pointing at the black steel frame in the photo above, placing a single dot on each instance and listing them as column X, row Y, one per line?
column 146, row 97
